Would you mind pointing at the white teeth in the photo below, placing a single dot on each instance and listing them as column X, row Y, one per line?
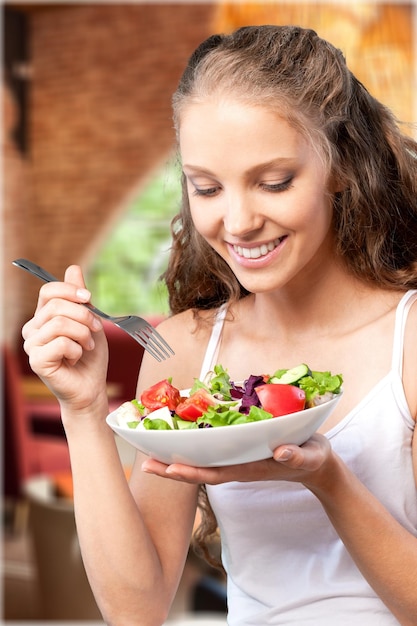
column 255, row 253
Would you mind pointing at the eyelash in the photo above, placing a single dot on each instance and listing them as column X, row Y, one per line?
column 274, row 188
column 205, row 192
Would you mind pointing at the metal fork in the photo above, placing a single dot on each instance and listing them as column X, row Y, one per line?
column 136, row 327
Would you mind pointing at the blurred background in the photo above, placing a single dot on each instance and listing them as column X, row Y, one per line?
column 90, row 177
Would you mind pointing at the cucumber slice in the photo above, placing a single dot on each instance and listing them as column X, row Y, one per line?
column 293, row 375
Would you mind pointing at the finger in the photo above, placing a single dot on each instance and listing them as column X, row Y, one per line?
column 209, row 475
column 309, row 457
column 65, row 291
column 244, row 472
column 62, row 326
column 62, row 317
column 74, row 275
column 46, row 359
column 151, row 466
column 71, row 288
column 177, row 471
column 200, row 475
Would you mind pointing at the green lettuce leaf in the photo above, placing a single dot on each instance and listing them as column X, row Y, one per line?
column 320, row 383
column 156, row 424
column 181, row 424
column 140, row 407
column 225, row 416
column 219, row 384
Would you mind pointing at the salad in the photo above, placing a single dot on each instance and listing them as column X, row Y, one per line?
column 218, row 401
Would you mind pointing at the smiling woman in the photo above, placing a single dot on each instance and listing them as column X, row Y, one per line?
column 253, row 197
column 296, row 242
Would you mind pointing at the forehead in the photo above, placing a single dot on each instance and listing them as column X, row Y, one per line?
column 229, row 129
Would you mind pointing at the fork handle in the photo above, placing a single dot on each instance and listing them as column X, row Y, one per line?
column 46, row 276
column 36, row 270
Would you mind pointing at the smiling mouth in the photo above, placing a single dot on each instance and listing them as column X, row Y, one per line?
column 258, row 251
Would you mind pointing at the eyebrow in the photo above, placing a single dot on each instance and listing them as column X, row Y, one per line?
column 256, row 169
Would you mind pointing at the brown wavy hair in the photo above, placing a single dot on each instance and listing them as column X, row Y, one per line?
column 304, row 79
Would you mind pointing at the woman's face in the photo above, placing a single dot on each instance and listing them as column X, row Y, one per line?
column 257, row 192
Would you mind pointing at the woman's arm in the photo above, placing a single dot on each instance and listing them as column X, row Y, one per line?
column 384, row 551
column 133, row 546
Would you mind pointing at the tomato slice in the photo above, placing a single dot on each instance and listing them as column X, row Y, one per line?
column 190, row 409
column 159, row 395
column 281, row 399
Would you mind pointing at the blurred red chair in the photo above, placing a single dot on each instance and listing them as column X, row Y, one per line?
column 25, row 452
column 125, row 358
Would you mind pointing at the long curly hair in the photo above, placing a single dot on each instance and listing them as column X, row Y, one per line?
column 304, row 79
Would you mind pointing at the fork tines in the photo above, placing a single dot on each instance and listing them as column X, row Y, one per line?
column 154, row 343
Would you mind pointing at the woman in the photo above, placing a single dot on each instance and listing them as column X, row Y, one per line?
column 300, row 215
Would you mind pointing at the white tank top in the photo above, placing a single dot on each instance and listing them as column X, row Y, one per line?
column 284, row 560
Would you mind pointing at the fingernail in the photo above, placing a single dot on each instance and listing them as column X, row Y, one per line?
column 284, row 455
column 83, row 294
column 171, row 472
column 97, row 325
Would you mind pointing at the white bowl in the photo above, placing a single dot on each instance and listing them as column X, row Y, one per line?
column 226, row 445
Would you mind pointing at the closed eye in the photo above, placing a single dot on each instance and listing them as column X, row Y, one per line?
column 209, row 191
column 276, row 187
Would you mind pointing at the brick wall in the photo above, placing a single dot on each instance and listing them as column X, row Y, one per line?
column 99, row 121
column 15, row 205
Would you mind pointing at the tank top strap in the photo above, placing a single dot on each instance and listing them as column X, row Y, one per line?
column 213, row 345
column 401, row 315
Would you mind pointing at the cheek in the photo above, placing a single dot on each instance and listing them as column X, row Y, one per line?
column 204, row 220
column 314, row 212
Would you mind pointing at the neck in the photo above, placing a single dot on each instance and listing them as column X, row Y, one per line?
column 323, row 305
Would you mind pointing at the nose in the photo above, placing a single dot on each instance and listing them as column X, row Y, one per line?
column 241, row 215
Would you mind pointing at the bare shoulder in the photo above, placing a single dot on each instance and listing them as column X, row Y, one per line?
column 187, row 329
column 188, row 336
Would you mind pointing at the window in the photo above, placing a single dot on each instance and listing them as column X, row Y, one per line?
column 124, row 277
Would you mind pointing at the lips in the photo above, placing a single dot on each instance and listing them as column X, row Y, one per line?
column 256, row 252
